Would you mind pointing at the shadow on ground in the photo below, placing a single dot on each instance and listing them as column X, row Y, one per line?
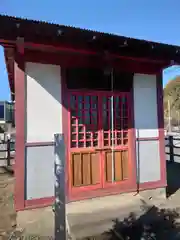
column 155, row 223
column 173, row 177
column 172, row 151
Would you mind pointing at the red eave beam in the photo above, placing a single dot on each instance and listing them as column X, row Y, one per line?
column 39, row 46
column 86, row 52
column 20, row 45
column 7, row 43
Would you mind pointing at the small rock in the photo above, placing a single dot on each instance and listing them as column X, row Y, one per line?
column 13, row 224
column 19, row 230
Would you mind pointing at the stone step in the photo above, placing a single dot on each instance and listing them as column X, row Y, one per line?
column 93, row 217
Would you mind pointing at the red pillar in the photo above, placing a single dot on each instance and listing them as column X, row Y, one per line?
column 19, row 82
column 160, row 112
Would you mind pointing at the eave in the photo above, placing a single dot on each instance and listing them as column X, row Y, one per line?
column 48, row 37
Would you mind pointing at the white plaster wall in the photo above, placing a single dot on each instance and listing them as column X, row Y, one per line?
column 148, row 161
column 43, row 102
column 39, row 172
column 145, row 106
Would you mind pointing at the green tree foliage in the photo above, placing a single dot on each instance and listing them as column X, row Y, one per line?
column 172, row 95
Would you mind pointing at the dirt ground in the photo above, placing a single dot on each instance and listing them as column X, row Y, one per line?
column 7, row 212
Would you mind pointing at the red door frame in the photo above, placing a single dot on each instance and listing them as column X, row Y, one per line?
column 77, row 190
column 103, row 188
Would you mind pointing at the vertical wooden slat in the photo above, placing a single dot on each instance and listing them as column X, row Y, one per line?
column 76, row 169
column 118, row 165
column 86, row 168
column 125, row 164
column 95, row 178
column 108, row 167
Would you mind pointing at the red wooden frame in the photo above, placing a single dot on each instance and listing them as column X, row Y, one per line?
column 41, row 57
column 104, row 187
column 160, row 113
column 91, row 60
column 36, row 144
column 20, row 132
column 76, row 190
column 65, row 126
column 71, row 49
column 39, row 202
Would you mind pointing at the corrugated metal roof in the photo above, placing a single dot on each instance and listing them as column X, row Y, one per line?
column 56, row 24
column 91, row 31
column 44, row 32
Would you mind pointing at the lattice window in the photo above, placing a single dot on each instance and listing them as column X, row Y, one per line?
column 116, row 133
column 91, row 120
column 84, row 121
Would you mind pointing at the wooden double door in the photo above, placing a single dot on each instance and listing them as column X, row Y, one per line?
column 98, row 139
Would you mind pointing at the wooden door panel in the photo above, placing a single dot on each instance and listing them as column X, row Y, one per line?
column 108, row 166
column 125, row 160
column 95, row 168
column 76, row 169
column 120, row 165
column 85, row 167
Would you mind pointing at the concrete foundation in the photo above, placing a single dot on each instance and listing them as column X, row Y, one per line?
column 155, row 195
column 90, row 217
column 36, row 222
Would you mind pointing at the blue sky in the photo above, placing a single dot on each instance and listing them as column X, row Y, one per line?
column 156, row 20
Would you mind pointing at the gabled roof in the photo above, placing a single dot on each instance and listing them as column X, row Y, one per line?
column 54, row 34
column 51, row 34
